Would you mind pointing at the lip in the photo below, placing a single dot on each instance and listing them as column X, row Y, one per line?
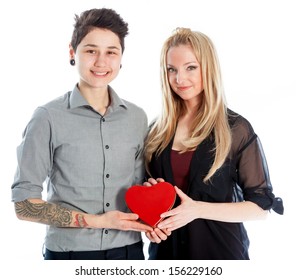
column 100, row 74
column 183, row 88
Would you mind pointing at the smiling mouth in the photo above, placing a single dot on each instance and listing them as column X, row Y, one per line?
column 100, row 73
column 183, row 88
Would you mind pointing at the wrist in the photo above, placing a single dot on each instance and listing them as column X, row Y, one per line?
column 94, row 220
column 200, row 205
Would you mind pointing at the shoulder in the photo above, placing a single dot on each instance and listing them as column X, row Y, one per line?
column 241, row 130
column 239, row 123
column 132, row 109
column 49, row 109
column 135, row 110
column 59, row 102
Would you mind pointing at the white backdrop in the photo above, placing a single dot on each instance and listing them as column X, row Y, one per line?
column 255, row 40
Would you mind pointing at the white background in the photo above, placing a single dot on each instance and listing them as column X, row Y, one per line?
column 256, row 44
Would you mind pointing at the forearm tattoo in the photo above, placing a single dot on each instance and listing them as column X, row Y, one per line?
column 80, row 221
column 49, row 214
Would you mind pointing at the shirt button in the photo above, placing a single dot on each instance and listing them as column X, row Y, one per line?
column 107, row 204
column 106, row 231
column 108, row 175
column 107, row 146
column 103, row 119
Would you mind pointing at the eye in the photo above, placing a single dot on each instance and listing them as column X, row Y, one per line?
column 192, row 67
column 171, row 69
column 91, row 51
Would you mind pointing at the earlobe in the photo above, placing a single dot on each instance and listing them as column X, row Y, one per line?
column 72, row 55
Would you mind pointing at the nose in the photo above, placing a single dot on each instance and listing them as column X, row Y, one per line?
column 100, row 60
column 180, row 77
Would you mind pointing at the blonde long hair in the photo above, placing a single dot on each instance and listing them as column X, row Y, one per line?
column 211, row 116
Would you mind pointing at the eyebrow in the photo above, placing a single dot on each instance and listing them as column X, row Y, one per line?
column 185, row 63
column 96, row 46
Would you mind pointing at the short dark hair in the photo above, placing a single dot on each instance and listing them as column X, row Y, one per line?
column 101, row 18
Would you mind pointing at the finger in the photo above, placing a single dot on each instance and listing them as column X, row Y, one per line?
column 166, row 231
column 137, row 226
column 147, row 184
column 161, row 234
column 148, row 235
column 152, row 237
column 163, row 225
column 155, row 237
column 159, row 180
column 172, row 223
column 129, row 216
column 168, row 226
column 181, row 194
column 172, row 212
column 172, row 228
column 144, row 228
column 168, row 223
column 152, row 181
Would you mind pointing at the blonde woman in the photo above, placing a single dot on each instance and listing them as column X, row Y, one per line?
column 210, row 153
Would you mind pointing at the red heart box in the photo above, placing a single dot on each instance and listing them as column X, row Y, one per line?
column 150, row 202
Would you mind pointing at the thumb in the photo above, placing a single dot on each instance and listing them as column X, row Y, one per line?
column 180, row 193
column 130, row 216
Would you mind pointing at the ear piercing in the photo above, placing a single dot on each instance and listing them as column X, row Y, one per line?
column 72, row 61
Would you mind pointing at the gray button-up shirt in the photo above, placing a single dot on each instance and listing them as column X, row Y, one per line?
column 88, row 161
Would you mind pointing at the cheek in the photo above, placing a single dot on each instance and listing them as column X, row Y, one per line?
column 198, row 81
column 115, row 69
column 114, row 63
column 82, row 62
column 171, row 80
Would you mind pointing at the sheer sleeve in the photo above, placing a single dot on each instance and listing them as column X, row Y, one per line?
column 251, row 165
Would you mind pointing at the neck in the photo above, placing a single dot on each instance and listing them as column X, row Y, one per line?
column 97, row 98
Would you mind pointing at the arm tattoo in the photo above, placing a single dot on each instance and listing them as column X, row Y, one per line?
column 45, row 213
column 80, row 221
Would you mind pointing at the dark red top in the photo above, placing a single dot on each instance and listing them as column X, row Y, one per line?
column 180, row 166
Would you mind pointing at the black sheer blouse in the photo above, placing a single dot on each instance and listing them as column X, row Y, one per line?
column 243, row 177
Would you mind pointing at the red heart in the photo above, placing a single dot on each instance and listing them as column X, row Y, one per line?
column 150, row 202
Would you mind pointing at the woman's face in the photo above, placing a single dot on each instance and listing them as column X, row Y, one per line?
column 184, row 73
column 98, row 58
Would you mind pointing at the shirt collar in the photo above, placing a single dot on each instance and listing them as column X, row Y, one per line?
column 77, row 100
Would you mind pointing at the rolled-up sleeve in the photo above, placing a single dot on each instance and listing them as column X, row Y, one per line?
column 253, row 173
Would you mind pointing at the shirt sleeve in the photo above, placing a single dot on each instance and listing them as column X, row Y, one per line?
column 252, row 169
column 34, row 158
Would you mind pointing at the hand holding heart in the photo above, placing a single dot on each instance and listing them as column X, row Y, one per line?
column 158, row 215
column 180, row 216
column 124, row 221
column 177, row 217
column 150, row 202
